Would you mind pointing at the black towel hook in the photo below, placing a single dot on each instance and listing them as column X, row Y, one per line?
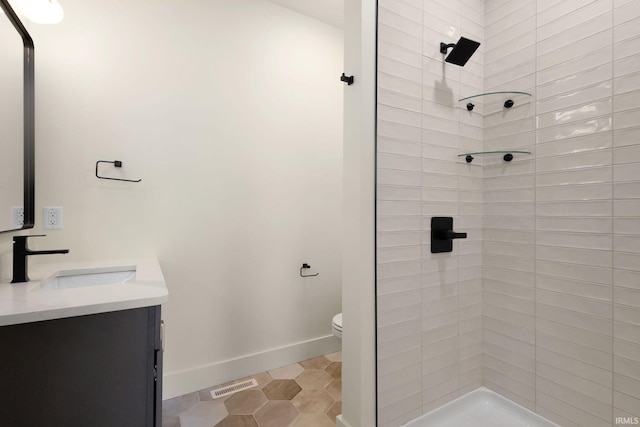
column 118, row 164
column 347, row 79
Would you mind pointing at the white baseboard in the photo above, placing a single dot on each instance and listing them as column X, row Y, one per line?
column 340, row 422
column 188, row 381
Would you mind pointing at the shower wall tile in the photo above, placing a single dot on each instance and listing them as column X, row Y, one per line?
column 397, row 29
column 571, row 36
column 625, row 101
column 626, row 119
column 509, row 47
column 577, row 17
column 394, row 86
column 501, row 13
column 392, row 25
column 626, row 48
column 394, row 98
column 522, row 75
column 403, row 148
column 626, row 12
column 517, row 57
column 625, row 66
column 625, row 174
column 574, row 145
column 618, row 3
column 398, row 69
column 594, row 47
column 626, row 245
column 403, row 8
column 399, row 203
column 558, row 10
column 627, row 190
column 584, row 159
column 574, row 208
column 627, row 83
column 576, row 113
column 577, row 81
column 515, row 18
column 541, row 303
column 509, row 213
column 626, row 31
column 399, row 53
column 571, row 416
column 626, row 309
column 591, row 93
column 499, row 37
column 429, row 305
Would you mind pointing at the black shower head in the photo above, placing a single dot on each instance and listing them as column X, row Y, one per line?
column 461, row 52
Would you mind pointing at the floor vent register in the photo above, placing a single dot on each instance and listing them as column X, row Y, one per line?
column 233, row 388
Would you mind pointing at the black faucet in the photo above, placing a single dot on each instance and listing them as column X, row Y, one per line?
column 20, row 254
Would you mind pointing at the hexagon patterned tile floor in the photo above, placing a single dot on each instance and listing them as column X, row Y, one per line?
column 304, row 394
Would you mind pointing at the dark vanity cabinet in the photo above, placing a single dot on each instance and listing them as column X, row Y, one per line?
column 86, row 371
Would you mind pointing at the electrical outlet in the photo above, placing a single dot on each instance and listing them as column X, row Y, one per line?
column 52, row 218
column 17, row 216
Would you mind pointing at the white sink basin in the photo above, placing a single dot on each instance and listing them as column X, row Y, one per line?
column 67, row 279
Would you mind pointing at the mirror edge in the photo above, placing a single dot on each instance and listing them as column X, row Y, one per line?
column 29, row 117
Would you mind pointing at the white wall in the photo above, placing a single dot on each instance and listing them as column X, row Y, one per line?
column 231, row 113
column 358, row 271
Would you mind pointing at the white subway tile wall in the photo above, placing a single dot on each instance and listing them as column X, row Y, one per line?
column 626, row 208
column 429, row 305
column 574, row 182
column 542, row 302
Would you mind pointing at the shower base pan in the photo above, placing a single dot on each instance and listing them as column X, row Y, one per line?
column 481, row 408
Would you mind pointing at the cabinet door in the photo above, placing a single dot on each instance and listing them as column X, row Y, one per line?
column 158, row 337
column 95, row 370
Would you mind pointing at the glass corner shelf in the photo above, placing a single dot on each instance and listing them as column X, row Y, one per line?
column 507, row 92
column 508, row 154
column 507, row 104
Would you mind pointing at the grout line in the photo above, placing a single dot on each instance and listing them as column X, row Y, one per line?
column 535, row 234
column 613, row 187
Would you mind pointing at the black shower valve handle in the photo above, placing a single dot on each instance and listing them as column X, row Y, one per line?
column 442, row 234
column 450, row 235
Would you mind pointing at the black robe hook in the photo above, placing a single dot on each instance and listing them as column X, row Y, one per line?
column 347, row 79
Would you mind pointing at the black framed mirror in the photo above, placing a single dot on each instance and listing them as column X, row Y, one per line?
column 17, row 133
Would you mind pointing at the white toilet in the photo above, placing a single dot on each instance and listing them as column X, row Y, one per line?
column 336, row 325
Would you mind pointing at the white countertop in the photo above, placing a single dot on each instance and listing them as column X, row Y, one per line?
column 24, row 302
